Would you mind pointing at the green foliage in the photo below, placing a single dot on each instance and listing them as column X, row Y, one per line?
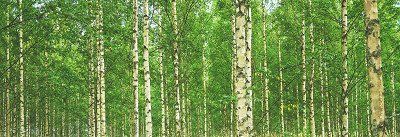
column 63, row 29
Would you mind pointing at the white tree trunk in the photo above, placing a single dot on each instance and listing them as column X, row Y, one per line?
column 312, row 113
column 101, row 72
column 8, row 80
column 205, row 80
column 266, row 78
column 176, row 70
column 241, row 81
column 146, row 68
column 161, row 69
column 304, row 71
column 281, row 89
column 135, row 84
column 393, row 89
column 345, row 111
column 21, row 74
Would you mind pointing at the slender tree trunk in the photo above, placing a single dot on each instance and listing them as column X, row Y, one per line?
column 304, row 70
column 63, row 122
column 356, row 111
column 243, row 68
column 46, row 113
column 345, row 107
column 188, row 114
column 281, row 88
column 27, row 117
column 36, row 121
column 101, row 71
column 337, row 121
column 322, row 91
column 205, row 80
column 92, row 89
column 266, row 78
column 328, row 102
column 167, row 111
column 21, row 74
column 375, row 68
column 97, row 61
column 298, row 110
column 53, row 125
column 312, row 113
column 163, row 105
column 15, row 116
column 146, row 68
column 8, row 80
column 392, row 83
column 124, row 126
column 176, row 70
column 135, row 70
column 184, row 114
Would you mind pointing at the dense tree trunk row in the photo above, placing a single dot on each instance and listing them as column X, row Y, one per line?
column 26, row 111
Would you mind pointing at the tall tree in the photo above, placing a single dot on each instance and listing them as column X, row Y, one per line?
column 374, row 51
column 92, row 89
column 328, row 102
column 162, row 81
column 8, row 80
column 242, row 66
column 46, row 99
column 21, row 73
column 345, row 105
column 312, row 113
column 135, row 70
column 205, row 80
column 281, row 88
column 176, row 69
column 304, row 71
column 321, row 79
column 101, row 69
column 146, row 68
column 393, row 89
column 298, row 109
column 249, row 91
column 356, row 110
column 266, row 78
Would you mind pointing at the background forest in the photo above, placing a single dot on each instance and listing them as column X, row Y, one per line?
column 92, row 67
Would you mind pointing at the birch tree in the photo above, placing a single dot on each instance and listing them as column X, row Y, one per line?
column 162, row 81
column 101, row 70
column 242, row 66
column 8, row 79
column 92, row 89
column 312, row 113
column 249, row 91
column 304, row 71
column 374, row 51
column 135, row 70
column 205, row 80
column 176, row 69
column 265, row 65
column 21, row 73
column 146, row 68
column 393, row 90
column 281, row 88
column 345, row 105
